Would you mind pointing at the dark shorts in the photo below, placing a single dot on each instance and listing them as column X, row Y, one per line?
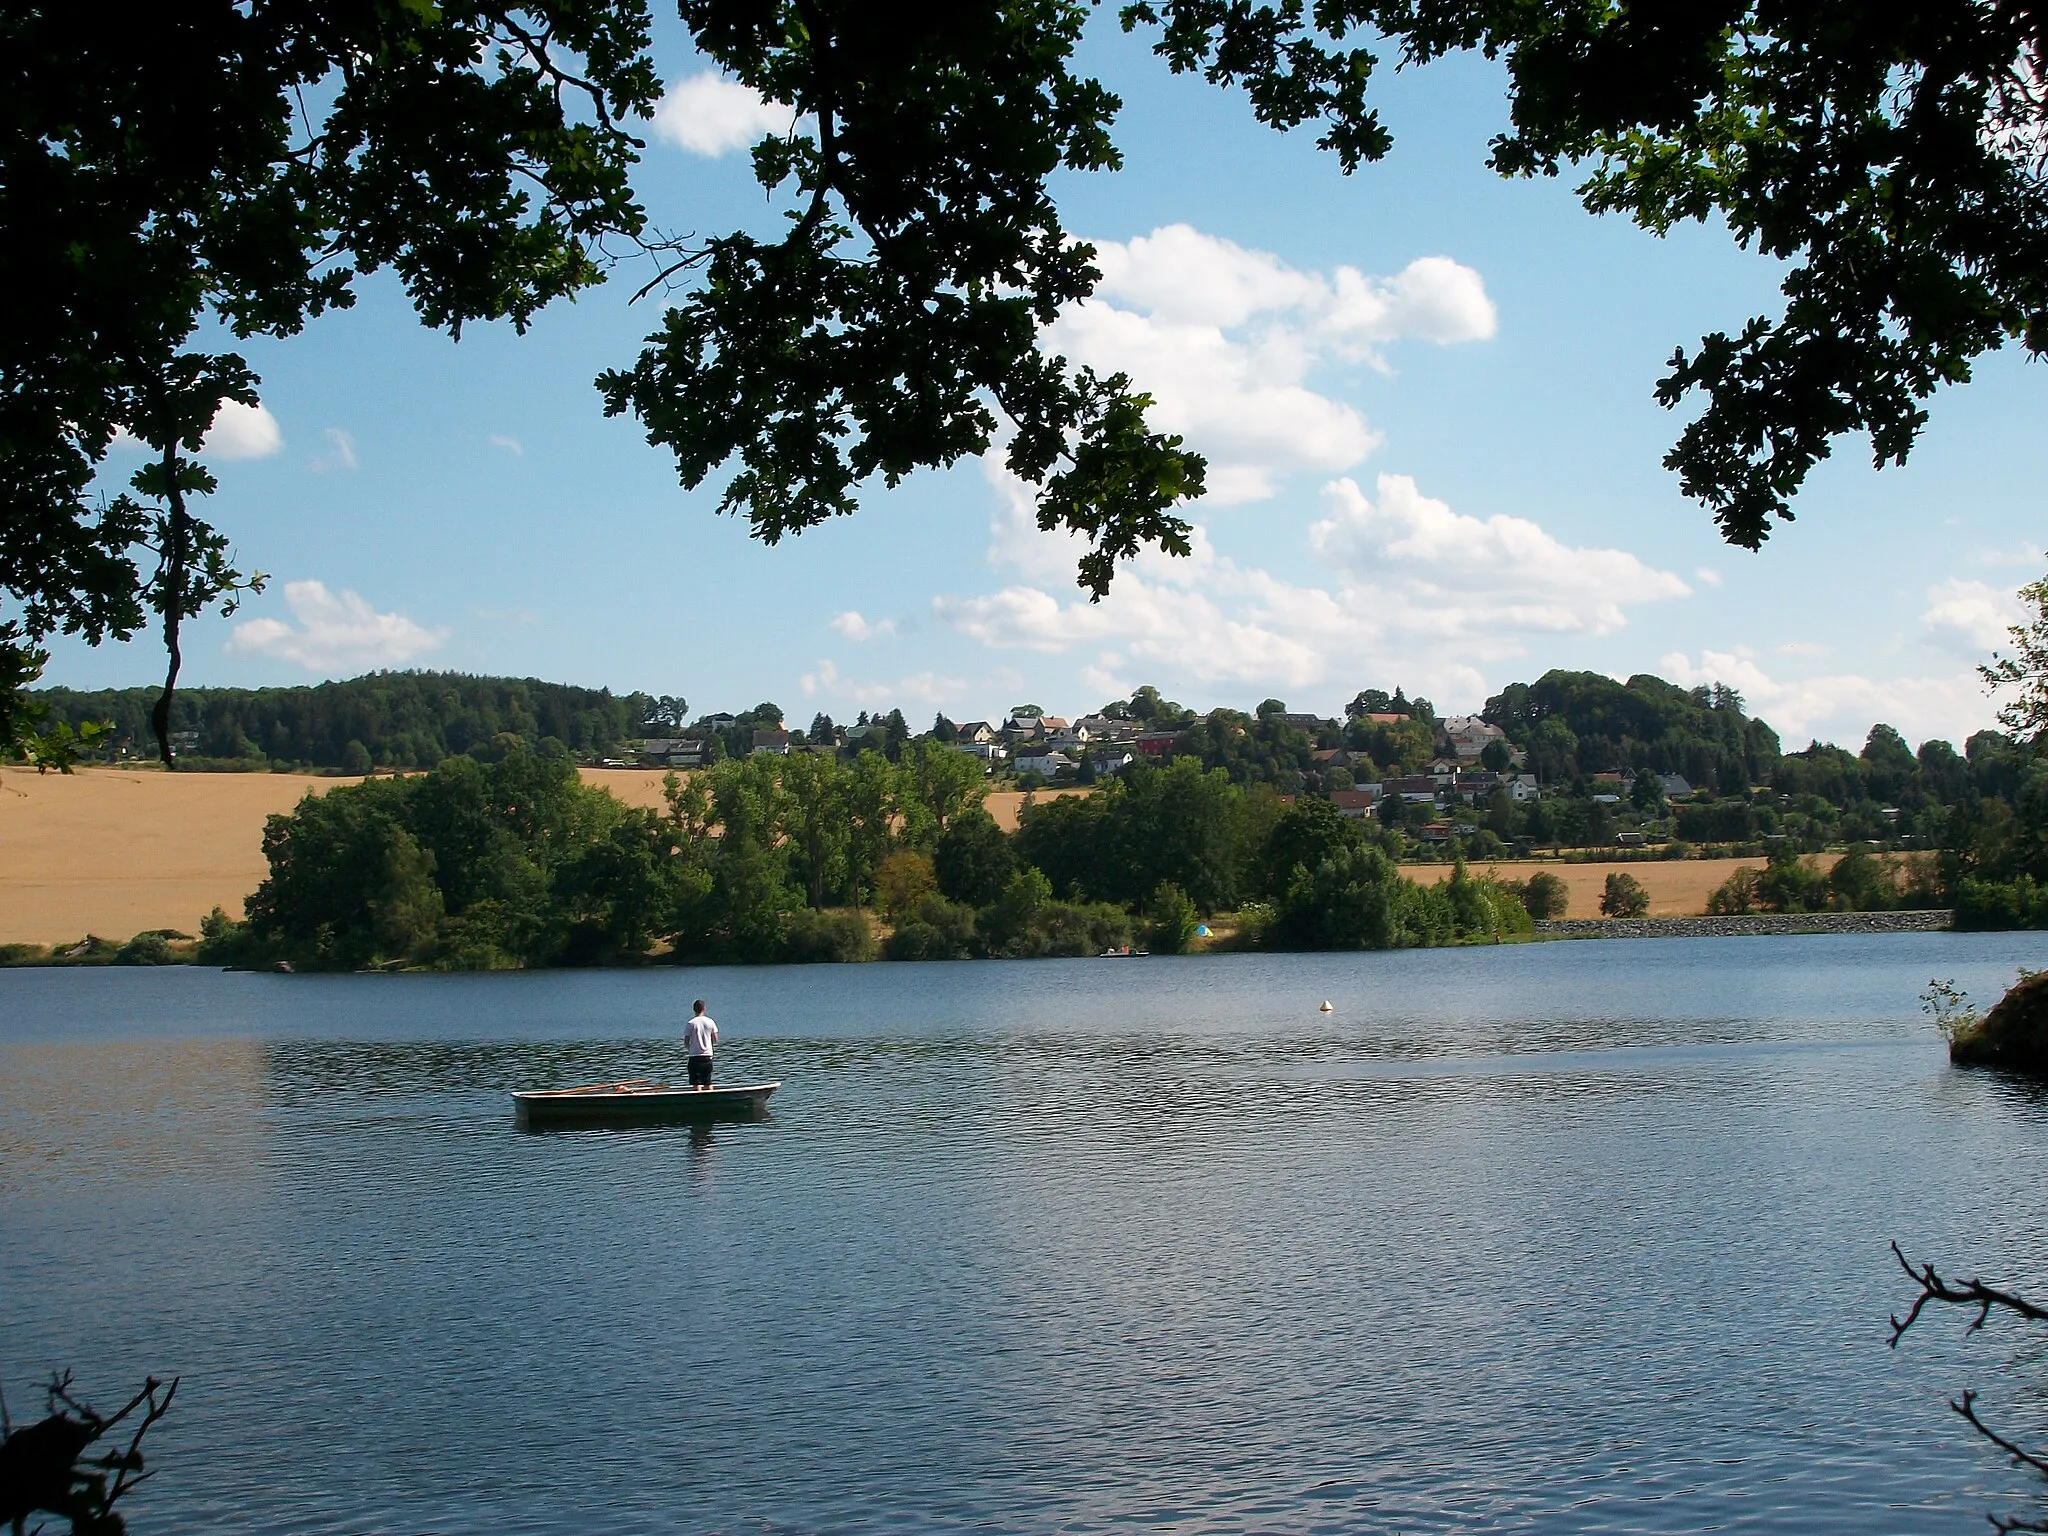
column 700, row 1071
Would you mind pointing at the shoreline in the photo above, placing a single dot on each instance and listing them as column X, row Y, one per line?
column 1751, row 925
column 179, row 950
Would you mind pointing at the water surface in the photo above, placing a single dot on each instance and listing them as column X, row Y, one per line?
column 1545, row 1238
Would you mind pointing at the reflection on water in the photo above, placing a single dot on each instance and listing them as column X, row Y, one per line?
column 1552, row 1239
column 135, row 1110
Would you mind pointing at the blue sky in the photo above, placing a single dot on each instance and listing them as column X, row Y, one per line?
column 1425, row 393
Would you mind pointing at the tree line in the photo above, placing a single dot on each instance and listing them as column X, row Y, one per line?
column 382, row 720
column 516, row 862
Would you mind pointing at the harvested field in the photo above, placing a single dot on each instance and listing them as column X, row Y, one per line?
column 113, row 851
column 1677, row 887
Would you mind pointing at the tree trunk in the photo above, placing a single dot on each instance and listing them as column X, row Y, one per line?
column 171, row 592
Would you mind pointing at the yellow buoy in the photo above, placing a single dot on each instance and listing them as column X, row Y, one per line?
column 1326, row 1008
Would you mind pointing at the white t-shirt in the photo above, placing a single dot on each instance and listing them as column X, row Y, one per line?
column 700, row 1034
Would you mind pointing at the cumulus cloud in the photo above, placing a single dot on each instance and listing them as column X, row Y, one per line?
column 1842, row 707
column 708, row 114
column 1225, row 340
column 242, row 432
column 238, row 432
column 1502, row 570
column 854, row 627
column 1969, row 616
column 333, row 632
column 1413, row 587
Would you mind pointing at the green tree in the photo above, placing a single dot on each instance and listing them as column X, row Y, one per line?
column 973, row 860
column 1356, row 899
column 1623, row 896
column 1545, row 896
column 1172, row 921
column 2025, row 669
column 941, row 783
column 874, row 795
column 1647, row 793
column 750, row 892
column 816, row 790
column 1009, row 918
column 1307, row 833
column 902, row 881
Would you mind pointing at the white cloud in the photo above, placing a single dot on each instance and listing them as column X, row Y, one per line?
column 707, row 114
column 334, row 632
column 242, row 432
column 931, row 688
column 509, row 443
column 824, row 680
column 1707, row 574
column 1970, row 616
column 1501, row 570
column 1842, row 707
column 341, row 452
column 854, row 627
column 1415, row 590
column 238, row 432
column 1225, row 340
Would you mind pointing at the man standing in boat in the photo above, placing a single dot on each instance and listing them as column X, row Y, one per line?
column 700, row 1035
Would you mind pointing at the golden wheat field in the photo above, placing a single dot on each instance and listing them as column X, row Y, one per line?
column 1677, row 887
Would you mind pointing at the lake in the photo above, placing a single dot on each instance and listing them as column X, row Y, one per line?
column 1570, row 1237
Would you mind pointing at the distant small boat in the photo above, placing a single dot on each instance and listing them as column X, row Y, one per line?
column 639, row 1101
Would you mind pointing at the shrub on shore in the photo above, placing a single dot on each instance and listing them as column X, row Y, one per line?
column 2013, row 1035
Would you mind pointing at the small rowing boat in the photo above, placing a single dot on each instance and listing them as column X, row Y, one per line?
column 640, row 1101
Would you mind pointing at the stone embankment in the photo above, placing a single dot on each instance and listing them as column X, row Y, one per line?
column 1754, row 924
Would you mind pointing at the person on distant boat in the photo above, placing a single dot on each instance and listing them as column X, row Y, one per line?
column 700, row 1035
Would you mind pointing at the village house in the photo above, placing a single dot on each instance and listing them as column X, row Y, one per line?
column 1471, row 787
column 1157, row 745
column 1044, row 763
column 1355, row 804
column 1470, row 736
column 1416, row 789
column 1102, row 728
column 771, row 743
column 673, row 752
column 975, row 733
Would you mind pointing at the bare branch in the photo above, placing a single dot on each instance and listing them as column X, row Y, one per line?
column 1965, row 1408
column 1969, row 1293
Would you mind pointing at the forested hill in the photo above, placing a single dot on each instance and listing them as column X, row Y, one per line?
column 390, row 719
column 1574, row 724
